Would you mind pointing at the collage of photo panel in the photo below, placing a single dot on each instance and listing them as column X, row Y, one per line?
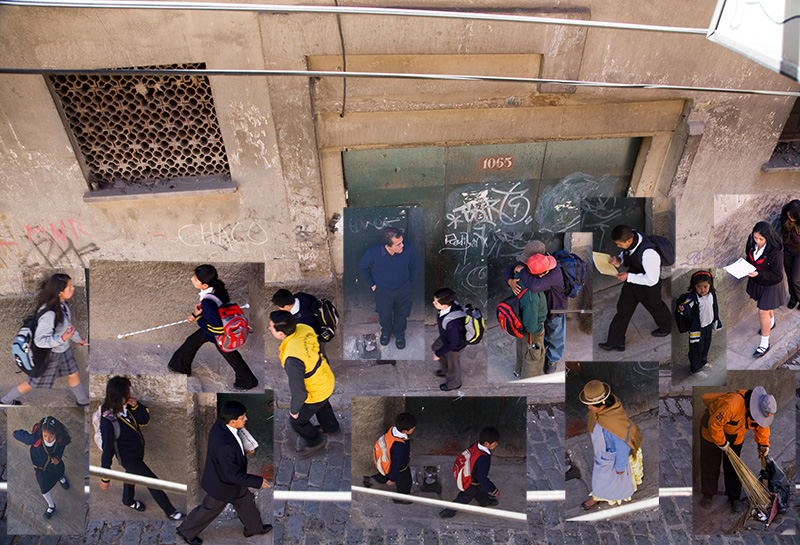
column 441, row 272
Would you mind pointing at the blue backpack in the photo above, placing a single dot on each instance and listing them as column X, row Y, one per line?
column 30, row 359
column 574, row 270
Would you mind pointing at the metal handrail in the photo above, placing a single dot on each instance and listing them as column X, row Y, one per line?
column 130, row 478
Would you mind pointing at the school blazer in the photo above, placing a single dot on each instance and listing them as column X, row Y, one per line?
column 225, row 473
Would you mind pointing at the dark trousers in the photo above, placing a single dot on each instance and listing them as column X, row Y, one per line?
column 181, row 360
column 138, row 467
column 309, row 435
column 403, row 481
column 474, row 491
column 791, row 264
column 629, row 299
column 710, row 457
column 205, row 513
column 449, row 364
column 394, row 307
column 698, row 352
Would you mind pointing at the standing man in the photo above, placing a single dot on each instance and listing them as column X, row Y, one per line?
column 311, row 381
column 551, row 283
column 390, row 269
column 225, row 479
column 642, row 284
column 723, row 426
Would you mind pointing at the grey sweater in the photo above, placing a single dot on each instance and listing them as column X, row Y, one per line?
column 48, row 335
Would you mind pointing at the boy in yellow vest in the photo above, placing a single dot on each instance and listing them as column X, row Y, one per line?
column 311, row 381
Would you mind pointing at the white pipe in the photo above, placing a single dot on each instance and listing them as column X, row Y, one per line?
column 311, row 495
column 346, row 10
column 625, row 509
column 499, row 513
column 3, row 487
column 184, row 321
column 678, row 491
column 550, row 378
column 138, row 479
column 545, row 495
column 386, row 75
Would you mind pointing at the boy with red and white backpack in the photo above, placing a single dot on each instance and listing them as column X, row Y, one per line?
column 471, row 472
column 392, row 455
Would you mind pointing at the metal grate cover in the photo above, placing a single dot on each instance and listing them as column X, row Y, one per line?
column 143, row 128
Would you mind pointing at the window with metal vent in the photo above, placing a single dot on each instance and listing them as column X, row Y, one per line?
column 139, row 132
column 786, row 156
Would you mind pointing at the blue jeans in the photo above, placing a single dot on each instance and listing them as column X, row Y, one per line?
column 555, row 331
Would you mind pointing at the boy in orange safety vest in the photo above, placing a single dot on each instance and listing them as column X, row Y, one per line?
column 481, row 488
column 723, row 426
column 392, row 454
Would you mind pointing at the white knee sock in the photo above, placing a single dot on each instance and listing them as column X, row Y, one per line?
column 49, row 499
column 772, row 322
column 764, row 341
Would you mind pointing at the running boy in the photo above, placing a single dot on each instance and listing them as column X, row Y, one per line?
column 392, row 455
column 481, row 488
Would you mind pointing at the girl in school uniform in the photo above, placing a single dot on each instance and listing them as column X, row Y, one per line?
column 122, row 411
column 790, row 233
column 699, row 307
column 206, row 314
column 47, row 440
column 54, row 330
column 764, row 251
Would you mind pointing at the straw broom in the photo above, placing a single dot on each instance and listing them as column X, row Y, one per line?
column 760, row 498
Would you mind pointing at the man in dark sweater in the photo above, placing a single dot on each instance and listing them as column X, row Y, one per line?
column 390, row 270
column 482, row 489
column 552, row 284
column 452, row 338
column 300, row 305
column 225, row 479
column 642, row 284
column 394, row 449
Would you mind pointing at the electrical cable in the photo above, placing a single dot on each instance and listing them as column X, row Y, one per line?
column 387, row 75
column 345, row 10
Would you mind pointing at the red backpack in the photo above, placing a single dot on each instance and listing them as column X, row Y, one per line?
column 508, row 315
column 234, row 325
column 464, row 464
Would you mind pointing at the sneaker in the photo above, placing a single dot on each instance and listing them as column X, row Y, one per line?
column 708, row 367
column 702, row 375
column 177, row 515
column 49, row 512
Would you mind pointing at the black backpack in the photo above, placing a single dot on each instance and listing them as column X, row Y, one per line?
column 665, row 249
column 327, row 319
column 684, row 319
column 31, row 359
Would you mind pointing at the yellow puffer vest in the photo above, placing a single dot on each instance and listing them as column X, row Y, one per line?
column 303, row 345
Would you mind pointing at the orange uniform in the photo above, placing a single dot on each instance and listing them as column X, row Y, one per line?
column 727, row 415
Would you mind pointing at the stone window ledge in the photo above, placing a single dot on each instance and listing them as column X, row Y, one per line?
column 187, row 187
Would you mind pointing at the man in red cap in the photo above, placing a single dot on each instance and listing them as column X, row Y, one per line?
column 723, row 426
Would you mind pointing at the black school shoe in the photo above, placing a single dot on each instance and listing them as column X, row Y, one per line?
column 792, row 303
column 759, row 352
column 400, row 343
column 49, row 512
column 447, row 513
column 384, row 340
column 64, row 484
column 264, row 529
column 606, row 346
column 659, row 333
column 193, row 541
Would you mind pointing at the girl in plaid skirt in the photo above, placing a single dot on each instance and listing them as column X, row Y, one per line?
column 54, row 330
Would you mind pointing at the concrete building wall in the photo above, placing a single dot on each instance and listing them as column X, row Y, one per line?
column 284, row 135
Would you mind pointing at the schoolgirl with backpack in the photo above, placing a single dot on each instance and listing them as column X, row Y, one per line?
column 48, row 439
column 42, row 347
column 117, row 424
column 209, row 314
column 697, row 313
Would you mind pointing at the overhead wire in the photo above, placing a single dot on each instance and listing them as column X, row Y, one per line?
column 387, row 75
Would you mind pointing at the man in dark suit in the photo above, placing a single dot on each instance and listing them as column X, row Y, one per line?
column 225, row 479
